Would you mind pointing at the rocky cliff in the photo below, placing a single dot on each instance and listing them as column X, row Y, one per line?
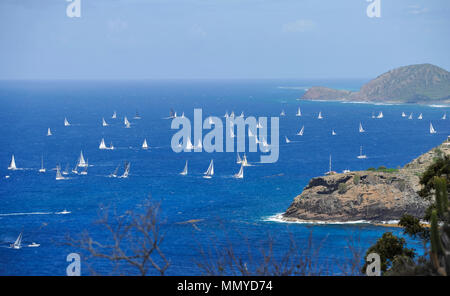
column 375, row 196
column 423, row 83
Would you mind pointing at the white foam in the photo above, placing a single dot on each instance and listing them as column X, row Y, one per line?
column 280, row 219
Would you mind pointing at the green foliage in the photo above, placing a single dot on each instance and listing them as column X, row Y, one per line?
column 383, row 169
column 440, row 185
column 436, row 245
column 372, row 169
column 388, row 247
column 342, row 188
column 412, row 227
column 440, row 167
column 356, row 179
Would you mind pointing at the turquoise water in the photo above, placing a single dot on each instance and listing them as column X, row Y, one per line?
column 231, row 211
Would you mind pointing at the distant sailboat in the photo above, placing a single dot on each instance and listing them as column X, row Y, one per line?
column 49, row 132
column 403, row 114
column 410, row 116
column 287, row 140
column 42, row 169
column 114, row 174
column 444, row 117
column 182, row 115
column 282, row 113
column 102, row 145
column 242, row 114
column 240, row 174
column 232, row 114
column 189, row 145
column 420, row 116
column 12, row 165
column 126, row 171
column 81, row 162
column 432, row 130
column 361, row 129
column 373, row 115
column 199, row 144
column 380, row 115
column 333, row 133
column 137, row 116
column 299, row 112
column 17, row 243
column 361, row 156
column 226, row 115
column 300, row 133
column 104, row 123
column 244, row 161
column 320, row 115
column 66, row 122
column 210, row 171
column 185, row 170
column 238, row 159
column 85, row 171
column 59, row 176
column 75, row 169
column 114, row 116
column 330, row 172
column 66, row 170
column 145, row 145
column 126, row 122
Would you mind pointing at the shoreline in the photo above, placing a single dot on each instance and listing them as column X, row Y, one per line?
column 387, row 103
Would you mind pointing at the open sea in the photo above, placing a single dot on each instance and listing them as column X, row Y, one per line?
column 237, row 212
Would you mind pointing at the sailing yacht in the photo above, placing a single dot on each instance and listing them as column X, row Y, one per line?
column 199, row 144
column 145, row 145
column 242, row 114
column 185, row 170
column 444, row 117
column 299, row 112
column 420, row 116
column 59, row 176
column 238, row 159
column 66, row 170
column 330, row 172
column 403, row 114
column 182, row 115
column 42, row 169
column 210, row 171
column 66, row 122
column 333, row 133
column 287, row 140
column 85, row 171
column 410, row 116
column 114, row 174
column 114, row 116
column 226, row 115
column 12, row 165
column 380, row 115
column 244, row 161
column 282, row 113
column 18, row 242
column 49, row 132
column 232, row 114
column 300, row 133
column 102, row 145
column 320, row 115
column 127, row 170
column 137, row 116
column 81, row 162
column 75, row 169
column 189, row 145
column 126, row 122
column 361, row 129
column 432, row 130
column 361, row 156
column 240, row 174
column 104, row 123
column 373, row 115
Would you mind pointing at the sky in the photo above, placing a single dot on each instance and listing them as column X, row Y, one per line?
column 219, row 39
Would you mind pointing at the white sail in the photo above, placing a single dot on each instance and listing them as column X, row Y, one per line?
column 333, row 133
column 42, row 169
column 210, row 171
column 114, row 174
column 12, row 165
column 242, row 114
column 282, row 113
column 232, row 114
column 104, row 123
column 238, row 159
column 145, row 145
column 299, row 112
column 85, row 171
column 185, row 170
column 380, row 115
column 59, row 176
column 361, row 155
column 320, row 115
column 81, row 161
column 189, row 145
column 66, row 122
column 226, row 115
column 300, row 133
column 182, row 115
column 49, row 132
column 126, row 171
column 444, row 117
column 403, row 114
column 240, row 174
column 102, row 145
column 210, row 120
column 66, row 170
column 114, row 116
column 18, row 242
column 361, row 129
column 126, row 122
column 432, row 130
column 244, row 161
column 410, row 116
column 250, row 133
column 420, row 116
column 287, row 140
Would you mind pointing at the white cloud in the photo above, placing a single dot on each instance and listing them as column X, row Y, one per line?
column 299, row 26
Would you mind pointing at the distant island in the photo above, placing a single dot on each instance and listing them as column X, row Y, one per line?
column 375, row 195
column 415, row 84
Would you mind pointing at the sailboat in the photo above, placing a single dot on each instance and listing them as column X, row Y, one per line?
column 330, row 172
column 373, row 115
column 226, row 115
column 210, row 120
column 380, row 115
column 42, row 169
column 232, row 114
column 145, row 145
column 59, row 176
column 242, row 114
column 361, row 129
column 85, row 171
column 244, row 161
column 287, row 140
column 137, row 116
column 444, row 117
column 432, row 130
column 240, row 174
column 361, row 156
column 114, row 116
column 114, row 174
column 333, row 133
column 403, row 114
column 210, row 171
column 410, row 116
column 12, row 165
column 300, row 133
column 199, row 144
column 66, row 122
column 75, row 169
column 189, row 145
column 18, row 242
column 238, row 160
column 102, row 145
column 49, row 132
column 282, row 113
column 182, row 115
column 81, row 162
column 420, row 116
column 104, row 123
column 185, row 170
column 320, row 115
column 66, row 170
column 126, row 122
column 299, row 112
column 127, row 170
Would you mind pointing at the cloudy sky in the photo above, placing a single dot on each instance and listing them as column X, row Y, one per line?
column 239, row 39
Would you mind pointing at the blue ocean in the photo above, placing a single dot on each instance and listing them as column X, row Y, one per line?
column 230, row 211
